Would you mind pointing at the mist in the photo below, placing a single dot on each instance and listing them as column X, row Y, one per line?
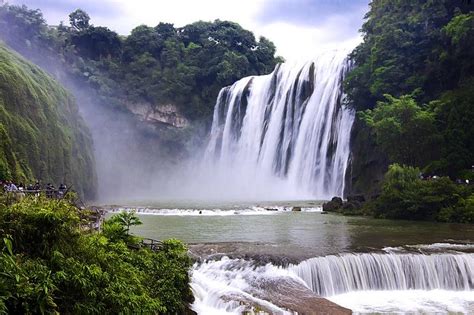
column 139, row 163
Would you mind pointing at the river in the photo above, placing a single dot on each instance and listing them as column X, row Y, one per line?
column 247, row 254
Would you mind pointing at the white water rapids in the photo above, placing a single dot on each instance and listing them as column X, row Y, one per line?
column 409, row 282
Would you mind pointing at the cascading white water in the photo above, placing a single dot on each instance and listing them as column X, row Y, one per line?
column 219, row 285
column 285, row 134
column 332, row 275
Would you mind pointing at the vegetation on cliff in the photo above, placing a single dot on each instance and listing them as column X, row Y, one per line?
column 413, row 89
column 52, row 263
column 42, row 135
column 185, row 66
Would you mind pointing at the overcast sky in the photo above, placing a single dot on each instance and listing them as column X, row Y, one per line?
column 298, row 27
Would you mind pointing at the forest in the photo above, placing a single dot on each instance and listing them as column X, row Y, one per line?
column 413, row 89
column 186, row 66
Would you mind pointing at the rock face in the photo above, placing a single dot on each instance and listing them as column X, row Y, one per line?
column 164, row 114
column 368, row 164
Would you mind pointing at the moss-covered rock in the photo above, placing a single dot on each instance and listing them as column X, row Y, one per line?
column 42, row 135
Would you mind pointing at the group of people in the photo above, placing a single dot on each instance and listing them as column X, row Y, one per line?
column 36, row 188
column 435, row 177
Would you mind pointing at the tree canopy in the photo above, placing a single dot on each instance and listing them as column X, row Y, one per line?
column 420, row 53
column 163, row 64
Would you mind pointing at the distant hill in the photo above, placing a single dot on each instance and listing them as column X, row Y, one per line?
column 42, row 135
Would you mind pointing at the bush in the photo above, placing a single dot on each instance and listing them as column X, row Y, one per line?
column 51, row 263
column 405, row 196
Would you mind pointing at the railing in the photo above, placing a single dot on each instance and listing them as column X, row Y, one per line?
column 50, row 193
column 152, row 244
column 149, row 243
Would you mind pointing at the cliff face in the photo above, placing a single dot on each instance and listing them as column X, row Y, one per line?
column 43, row 137
column 160, row 115
column 368, row 164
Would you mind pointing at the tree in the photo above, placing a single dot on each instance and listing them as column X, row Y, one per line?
column 79, row 20
column 404, row 130
column 405, row 196
column 51, row 264
column 97, row 42
column 404, row 49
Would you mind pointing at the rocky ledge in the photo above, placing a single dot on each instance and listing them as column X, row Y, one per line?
column 164, row 114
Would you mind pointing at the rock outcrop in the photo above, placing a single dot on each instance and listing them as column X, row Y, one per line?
column 333, row 206
column 367, row 165
column 163, row 114
column 352, row 205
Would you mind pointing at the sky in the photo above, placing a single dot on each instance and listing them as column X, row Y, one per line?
column 299, row 28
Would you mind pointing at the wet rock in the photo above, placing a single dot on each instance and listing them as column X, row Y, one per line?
column 334, row 205
column 296, row 209
column 293, row 296
column 368, row 163
column 189, row 311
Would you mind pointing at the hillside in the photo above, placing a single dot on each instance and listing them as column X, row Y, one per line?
column 43, row 136
column 162, row 66
column 412, row 86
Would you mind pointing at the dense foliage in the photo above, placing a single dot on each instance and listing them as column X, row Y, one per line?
column 413, row 87
column 50, row 263
column 185, row 66
column 406, row 196
column 422, row 49
column 42, row 134
column 404, row 130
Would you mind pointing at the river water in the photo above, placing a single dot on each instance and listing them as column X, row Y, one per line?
column 248, row 253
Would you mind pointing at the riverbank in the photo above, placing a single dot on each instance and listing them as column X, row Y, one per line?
column 244, row 254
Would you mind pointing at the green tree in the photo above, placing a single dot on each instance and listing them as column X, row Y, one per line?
column 70, row 269
column 97, row 42
column 79, row 20
column 405, row 196
column 404, row 130
column 404, row 49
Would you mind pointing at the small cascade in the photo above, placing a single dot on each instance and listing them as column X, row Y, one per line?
column 365, row 282
column 288, row 131
column 333, row 275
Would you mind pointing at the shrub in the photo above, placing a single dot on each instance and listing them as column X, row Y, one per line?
column 405, row 196
column 51, row 263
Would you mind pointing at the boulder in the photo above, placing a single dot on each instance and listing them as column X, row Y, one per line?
column 296, row 209
column 334, row 205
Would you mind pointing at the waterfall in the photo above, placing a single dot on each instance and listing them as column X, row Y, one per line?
column 367, row 282
column 287, row 130
column 332, row 275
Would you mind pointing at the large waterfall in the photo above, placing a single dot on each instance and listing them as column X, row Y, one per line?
column 285, row 134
